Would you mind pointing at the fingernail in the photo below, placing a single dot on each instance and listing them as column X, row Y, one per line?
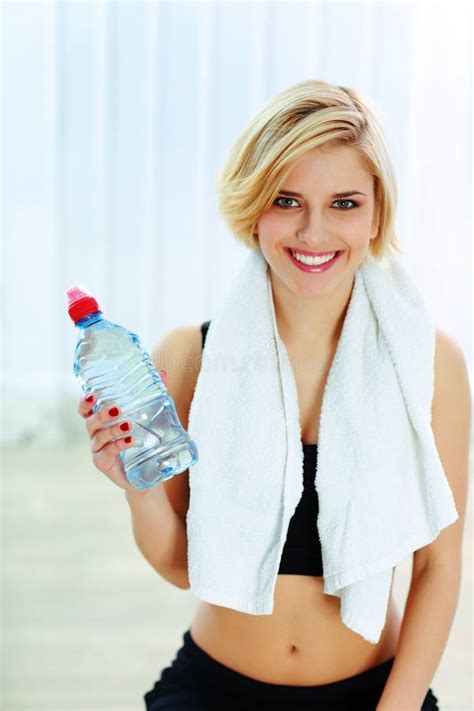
column 89, row 398
column 127, row 439
column 113, row 412
column 124, row 427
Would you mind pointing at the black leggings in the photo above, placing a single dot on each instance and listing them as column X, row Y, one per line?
column 196, row 682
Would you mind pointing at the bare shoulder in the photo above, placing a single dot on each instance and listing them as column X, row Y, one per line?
column 448, row 351
column 178, row 353
column 451, row 425
column 452, row 395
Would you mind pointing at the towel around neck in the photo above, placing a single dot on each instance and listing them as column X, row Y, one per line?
column 381, row 486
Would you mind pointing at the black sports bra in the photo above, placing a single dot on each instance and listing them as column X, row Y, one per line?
column 302, row 550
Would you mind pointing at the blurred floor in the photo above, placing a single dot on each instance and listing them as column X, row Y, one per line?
column 87, row 623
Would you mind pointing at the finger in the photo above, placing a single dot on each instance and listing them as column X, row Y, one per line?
column 86, row 404
column 105, row 436
column 164, row 377
column 106, row 458
column 102, row 418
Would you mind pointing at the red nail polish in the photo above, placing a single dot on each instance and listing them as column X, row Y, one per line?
column 89, row 398
column 113, row 412
column 127, row 439
column 124, row 427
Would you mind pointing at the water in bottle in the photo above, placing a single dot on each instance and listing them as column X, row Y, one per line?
column 111, row 363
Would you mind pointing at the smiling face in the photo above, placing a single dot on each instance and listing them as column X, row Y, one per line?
column 317, row 221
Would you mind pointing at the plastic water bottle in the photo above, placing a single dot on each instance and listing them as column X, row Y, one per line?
column 110, row 362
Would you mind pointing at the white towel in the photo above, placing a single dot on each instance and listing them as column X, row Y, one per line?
column 381, row 486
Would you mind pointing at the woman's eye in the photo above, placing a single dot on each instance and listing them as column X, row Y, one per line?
column 354, row 204
column 284, row 198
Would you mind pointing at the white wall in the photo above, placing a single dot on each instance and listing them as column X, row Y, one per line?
column 116, row 119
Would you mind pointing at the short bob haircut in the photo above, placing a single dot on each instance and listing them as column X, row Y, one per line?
column 303, row 117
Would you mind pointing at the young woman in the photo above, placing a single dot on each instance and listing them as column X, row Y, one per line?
column 314, row 225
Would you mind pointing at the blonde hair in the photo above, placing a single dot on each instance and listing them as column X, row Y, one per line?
column 307, row 115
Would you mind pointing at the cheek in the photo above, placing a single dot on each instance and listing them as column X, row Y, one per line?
column 357, row 229
column 271, row 231
column 269, row 223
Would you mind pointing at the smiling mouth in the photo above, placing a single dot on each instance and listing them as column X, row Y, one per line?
column 315, row 267
column 305, row 253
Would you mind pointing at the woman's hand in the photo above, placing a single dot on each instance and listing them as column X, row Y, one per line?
column 106, row 443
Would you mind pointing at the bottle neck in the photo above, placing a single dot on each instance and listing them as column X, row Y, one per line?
column 89, row 319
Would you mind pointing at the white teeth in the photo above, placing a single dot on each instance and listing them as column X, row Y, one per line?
column 312, row 261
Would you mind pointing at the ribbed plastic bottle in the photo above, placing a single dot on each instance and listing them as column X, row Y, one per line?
column 111, row 363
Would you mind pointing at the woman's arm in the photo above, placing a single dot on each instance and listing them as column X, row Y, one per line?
column 160, row 534
column 429, row 612
column 159, row 514
column 436, row 577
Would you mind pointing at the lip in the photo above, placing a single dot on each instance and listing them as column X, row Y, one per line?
column 317, row 267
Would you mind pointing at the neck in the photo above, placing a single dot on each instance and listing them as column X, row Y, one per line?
column 310, row 324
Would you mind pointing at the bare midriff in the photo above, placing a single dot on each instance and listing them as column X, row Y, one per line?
column 303, row 642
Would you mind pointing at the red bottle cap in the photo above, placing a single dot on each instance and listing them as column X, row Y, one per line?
column 80, row 302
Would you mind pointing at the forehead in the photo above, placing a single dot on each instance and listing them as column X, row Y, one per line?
column 335, row 169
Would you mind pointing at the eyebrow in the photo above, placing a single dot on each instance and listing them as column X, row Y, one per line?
column 347, row 193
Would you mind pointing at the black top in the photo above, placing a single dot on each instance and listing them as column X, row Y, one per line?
column 302, row 550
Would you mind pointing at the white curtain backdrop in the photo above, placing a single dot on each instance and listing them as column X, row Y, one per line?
column 117, row 117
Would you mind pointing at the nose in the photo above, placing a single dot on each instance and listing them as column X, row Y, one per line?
column 313, row 232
